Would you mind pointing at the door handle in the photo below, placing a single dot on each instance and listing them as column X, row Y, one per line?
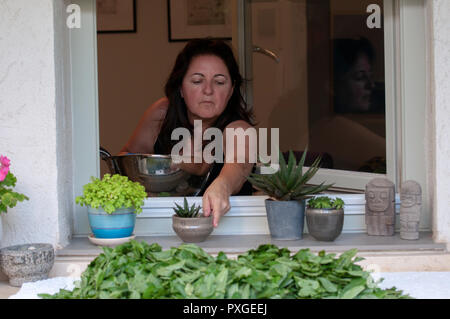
column 267, row 52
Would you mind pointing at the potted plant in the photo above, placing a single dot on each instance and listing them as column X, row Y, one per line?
column 8, row 197
column 325, row 217
column 287, row 190
column 113, row 203
column 189, row 224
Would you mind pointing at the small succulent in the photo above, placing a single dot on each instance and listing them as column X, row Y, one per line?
column 325, row 202
column 186, row 211
column 289, row 182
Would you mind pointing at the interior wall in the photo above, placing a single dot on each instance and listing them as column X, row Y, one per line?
column 132, row 70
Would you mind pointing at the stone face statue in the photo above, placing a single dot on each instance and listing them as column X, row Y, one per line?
column 411, row 203
column 380, row 207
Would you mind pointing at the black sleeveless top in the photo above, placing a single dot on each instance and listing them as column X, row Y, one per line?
column 214, row 173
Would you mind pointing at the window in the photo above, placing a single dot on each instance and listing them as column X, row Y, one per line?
column 404, row 66
column 331, row 82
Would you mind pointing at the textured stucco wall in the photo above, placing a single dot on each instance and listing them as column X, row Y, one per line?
column 35, row 122
column 439, row 22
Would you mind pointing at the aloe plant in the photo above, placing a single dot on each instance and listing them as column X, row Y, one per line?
column 186, row 211
column 289, row 182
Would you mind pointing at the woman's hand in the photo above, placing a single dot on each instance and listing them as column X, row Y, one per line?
column 216, row 200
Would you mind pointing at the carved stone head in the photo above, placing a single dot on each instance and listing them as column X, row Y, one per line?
column 380, row 194
column 410, row 194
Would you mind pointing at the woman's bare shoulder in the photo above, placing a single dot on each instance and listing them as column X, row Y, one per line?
column 157, row 111
column 239, row 124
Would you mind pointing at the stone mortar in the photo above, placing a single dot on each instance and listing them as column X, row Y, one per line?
column 27, row 263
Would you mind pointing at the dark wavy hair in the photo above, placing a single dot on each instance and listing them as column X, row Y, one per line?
column 346, row 52
column 176, row 115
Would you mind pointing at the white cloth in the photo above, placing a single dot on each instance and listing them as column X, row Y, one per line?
column 420, row 285
column 30, row 290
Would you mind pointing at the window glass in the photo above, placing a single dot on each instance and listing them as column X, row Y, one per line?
column 320, row 78
column 326, row 79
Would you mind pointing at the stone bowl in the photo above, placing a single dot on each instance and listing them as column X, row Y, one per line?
column 26, row 263
column 193, row 230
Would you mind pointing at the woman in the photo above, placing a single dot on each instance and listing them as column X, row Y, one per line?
column 204, row 85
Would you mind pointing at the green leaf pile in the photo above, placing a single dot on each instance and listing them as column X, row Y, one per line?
column 113, row 192
column 140, row 270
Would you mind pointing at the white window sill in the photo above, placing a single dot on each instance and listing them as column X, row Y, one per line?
column 238, row 244
column 247, row 216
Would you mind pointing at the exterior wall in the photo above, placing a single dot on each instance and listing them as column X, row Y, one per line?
column 35, row 121
column 439, row 23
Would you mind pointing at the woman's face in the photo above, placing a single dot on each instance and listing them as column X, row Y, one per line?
column 206, row 88
column 357, row 86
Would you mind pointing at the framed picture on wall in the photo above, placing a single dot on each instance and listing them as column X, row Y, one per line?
column 191, row 19
column 116, row 16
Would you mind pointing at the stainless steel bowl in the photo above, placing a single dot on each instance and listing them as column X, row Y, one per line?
column 156, row 173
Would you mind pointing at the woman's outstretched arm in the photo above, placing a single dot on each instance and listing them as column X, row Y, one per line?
column 232, row 177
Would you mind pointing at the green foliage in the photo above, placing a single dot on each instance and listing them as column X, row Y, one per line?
column 289, row 182
column 113, row 192
column 186, row 211
column 164, row 194
column 9, row 198
column 140, row 270
column 325, row 202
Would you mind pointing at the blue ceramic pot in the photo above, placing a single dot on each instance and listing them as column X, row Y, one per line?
column 119, row 224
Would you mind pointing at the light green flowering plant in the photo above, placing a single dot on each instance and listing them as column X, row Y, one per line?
column 113, row 192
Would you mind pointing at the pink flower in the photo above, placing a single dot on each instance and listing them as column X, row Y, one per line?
column 4, row 167
column 4, row 161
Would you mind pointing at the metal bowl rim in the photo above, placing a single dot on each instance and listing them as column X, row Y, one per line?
column 146, row 155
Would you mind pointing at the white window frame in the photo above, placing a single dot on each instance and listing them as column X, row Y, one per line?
column 247, row 215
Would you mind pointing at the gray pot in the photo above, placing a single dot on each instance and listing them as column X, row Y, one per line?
column 27, row 263
column 192, row 230
column 324, row 224
column 286, row 219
